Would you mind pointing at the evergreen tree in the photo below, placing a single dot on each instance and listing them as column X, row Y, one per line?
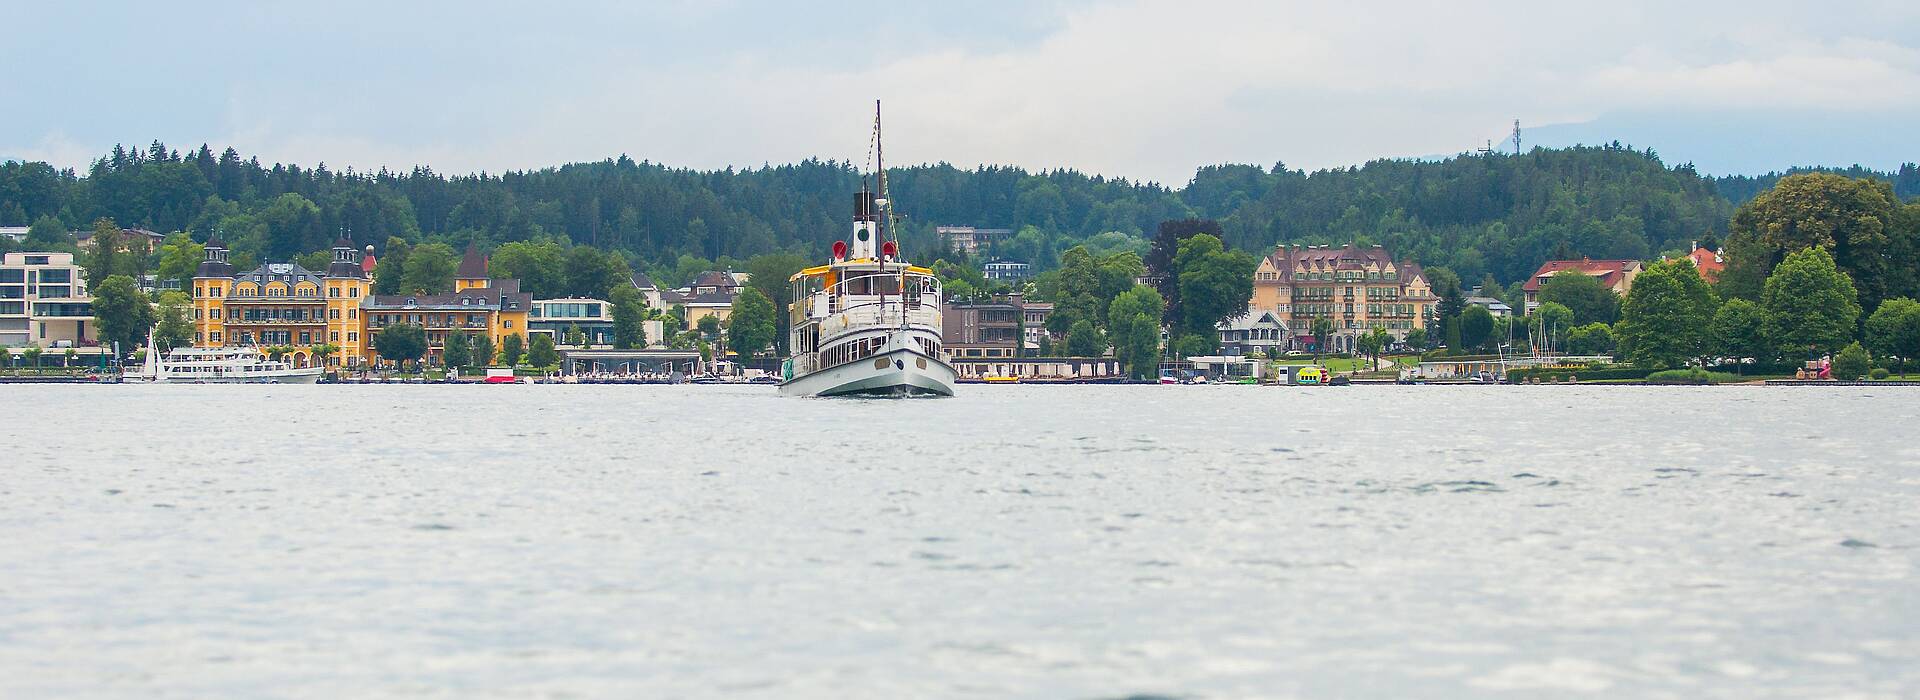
column 47, row 234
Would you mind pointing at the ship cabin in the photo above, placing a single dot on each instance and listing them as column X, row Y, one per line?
column 842, row 311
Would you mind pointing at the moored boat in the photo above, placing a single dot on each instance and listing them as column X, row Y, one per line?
column 221, row 366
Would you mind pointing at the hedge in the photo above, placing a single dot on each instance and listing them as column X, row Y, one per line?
column 1690, row 376
column 1560, row 374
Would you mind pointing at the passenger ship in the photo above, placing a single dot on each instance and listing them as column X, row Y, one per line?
column 866, row 323
column 221, row 366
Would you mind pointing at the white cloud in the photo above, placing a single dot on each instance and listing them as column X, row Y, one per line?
column 1147, row 90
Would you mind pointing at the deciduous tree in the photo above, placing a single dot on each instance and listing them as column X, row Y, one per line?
column 429, row 269
column 1894, row 330
column 1811, row 306
column 1589, row 299
column 750, row 326
column 540, row 352
column 629, row 318
column 1133, row 326
column 123, row 312
column 1666, row 317
column 511, row 348
column 402, row 342
column 1739, row 331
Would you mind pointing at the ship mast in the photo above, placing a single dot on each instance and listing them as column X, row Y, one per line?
column 880, row 172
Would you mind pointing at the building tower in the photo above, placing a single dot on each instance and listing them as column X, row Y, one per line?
column 346, row 286
column 473, row 270
column 212, row 284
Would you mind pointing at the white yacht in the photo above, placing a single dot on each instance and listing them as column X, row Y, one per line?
column 866, row 323
column 221, row 366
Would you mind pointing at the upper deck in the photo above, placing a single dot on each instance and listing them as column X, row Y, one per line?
column 856, row 294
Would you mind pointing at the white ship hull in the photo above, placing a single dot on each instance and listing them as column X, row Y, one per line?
column 293, row 376
column 896, row 372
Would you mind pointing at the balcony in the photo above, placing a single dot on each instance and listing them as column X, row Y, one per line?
column 273, row 322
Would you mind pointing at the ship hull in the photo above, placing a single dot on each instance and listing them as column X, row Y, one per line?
column 298, row 376
column 898, row 372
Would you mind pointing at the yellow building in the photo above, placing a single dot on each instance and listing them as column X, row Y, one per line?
column 1357, row 288
column 477, row 305
column 285, row 304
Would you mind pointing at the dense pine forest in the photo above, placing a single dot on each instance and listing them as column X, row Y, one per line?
column 1498, row 214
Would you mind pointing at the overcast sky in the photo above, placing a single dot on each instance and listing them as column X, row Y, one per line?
column 1139, row 90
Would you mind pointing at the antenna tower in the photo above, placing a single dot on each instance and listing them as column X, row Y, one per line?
column 1516, row 137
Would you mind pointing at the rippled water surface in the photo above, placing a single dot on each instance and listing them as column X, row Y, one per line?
column 1027, row 542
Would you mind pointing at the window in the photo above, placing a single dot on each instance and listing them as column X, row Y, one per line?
column 354, row 292
column 353, row 314
column 333, row 292
column 352, row 337
column 214, row 336
column 16, row 276
column 333, row 336
column 508, row 323
column 216, row 295
column 214, row 314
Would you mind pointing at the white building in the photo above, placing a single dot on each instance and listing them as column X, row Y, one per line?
column 44, row 302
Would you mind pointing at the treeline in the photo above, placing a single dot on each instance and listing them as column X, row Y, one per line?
column 1477, row 215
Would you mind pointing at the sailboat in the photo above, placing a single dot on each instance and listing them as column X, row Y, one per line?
column 867, row 322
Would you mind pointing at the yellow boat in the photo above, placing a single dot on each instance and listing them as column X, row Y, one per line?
column 997, row 379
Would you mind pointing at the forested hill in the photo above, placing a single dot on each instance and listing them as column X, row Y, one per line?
column 1740, row 188
column 1501, row 214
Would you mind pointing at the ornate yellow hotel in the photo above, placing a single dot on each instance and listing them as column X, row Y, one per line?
column 333, row 317
column 283, row 304
column 1358, row 288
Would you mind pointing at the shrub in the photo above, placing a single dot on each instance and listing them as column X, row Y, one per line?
column 1879, row 373
column 1852, row 363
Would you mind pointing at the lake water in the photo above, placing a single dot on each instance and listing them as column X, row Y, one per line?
column 1021, row 542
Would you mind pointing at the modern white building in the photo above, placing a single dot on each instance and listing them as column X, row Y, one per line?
column 44, row 302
